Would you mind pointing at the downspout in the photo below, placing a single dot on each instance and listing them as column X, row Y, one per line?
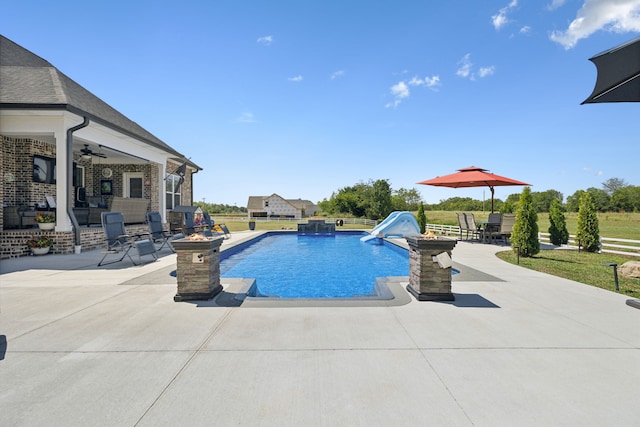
column 69, row 176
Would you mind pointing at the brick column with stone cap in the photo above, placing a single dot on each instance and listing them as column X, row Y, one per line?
column 198, row 268
column 430, row 268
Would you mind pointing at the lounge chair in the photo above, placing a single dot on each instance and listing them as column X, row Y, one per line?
column 119, row 242
column 157, row 231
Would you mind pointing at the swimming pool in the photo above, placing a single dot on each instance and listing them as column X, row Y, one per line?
column 289, row 265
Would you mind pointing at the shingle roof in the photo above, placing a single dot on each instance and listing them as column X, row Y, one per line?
column 255, row 202
column 29, row 82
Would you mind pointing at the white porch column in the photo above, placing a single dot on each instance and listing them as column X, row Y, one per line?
column 63, row 222
column 162, row 188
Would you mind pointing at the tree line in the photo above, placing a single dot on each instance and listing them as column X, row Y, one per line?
column 376, row 200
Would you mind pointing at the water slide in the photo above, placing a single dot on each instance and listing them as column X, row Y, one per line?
column 397, row 224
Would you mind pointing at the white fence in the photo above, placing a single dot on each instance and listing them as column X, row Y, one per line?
column 607, row 244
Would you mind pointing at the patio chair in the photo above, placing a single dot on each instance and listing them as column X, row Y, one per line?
column 119, row 242
column 207, row 219
column 225, row 230
column 467, row 224
column 506, row 227
column 158, row 233
column 491, row 226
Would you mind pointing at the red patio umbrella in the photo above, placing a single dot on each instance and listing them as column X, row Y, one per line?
column 472, row 176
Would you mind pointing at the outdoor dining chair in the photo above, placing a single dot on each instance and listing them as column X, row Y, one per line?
column 467, row 224
column 505, row 229
column 120, row 243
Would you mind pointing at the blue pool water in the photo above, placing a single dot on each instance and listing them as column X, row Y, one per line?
column 289, row 265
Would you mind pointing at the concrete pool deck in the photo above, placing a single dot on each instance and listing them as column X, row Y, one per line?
column 89, row 346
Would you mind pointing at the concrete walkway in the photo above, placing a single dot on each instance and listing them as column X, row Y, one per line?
column 87, row 346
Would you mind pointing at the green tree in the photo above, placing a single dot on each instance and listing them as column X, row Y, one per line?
column 378, row 199
column 588, row 233
column 626, row 199
column 422, row 219
column 411, row 199
column 558, row 224
column 613, row 184
column 542, row 199
column 573, row 201
column 525, row 230
column 600, row 198
column 511, row 204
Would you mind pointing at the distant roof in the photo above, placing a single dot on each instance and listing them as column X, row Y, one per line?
column 29, row 82
column 255, row 202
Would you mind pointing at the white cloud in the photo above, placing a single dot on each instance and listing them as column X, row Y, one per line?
column 486, row 71
column 500, row 19
column 429, row 82
column 246, row 117
column 337, row 74
column 265, row 40
column 556, row 4
column 466, row 69
column 297, row 78
column 525, row 30
column 618, row 16
column 464, row 66
column 399, row 91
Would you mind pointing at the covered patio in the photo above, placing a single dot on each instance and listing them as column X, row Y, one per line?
column 66, row 152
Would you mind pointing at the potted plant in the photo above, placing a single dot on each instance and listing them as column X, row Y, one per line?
column 40, row 245
column 45, row 221
column 252, row 224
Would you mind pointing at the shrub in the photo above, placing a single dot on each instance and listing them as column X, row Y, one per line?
column 559, row 235
column 422, row 218
column 588, row 233
column 525, row 230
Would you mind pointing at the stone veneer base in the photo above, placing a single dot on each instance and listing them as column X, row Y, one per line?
column 430, row 296
column 198, row 296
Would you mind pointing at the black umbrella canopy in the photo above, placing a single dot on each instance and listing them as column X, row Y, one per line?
column 618, row 74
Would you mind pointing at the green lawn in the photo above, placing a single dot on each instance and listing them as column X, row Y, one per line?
column 620, row 225
column 583, row 267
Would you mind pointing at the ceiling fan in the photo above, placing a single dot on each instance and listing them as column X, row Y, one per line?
column 88, row 152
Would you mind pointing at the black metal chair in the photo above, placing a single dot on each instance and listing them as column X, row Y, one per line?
column 119, row 242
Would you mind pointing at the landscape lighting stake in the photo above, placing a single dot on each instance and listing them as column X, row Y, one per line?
column 517, row 248
column 615, row 273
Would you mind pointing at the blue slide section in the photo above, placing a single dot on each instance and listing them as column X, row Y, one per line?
column 397, row 224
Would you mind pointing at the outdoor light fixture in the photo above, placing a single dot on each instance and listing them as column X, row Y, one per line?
column 615, row 272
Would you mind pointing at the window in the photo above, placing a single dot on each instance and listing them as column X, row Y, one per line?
column 173, row 191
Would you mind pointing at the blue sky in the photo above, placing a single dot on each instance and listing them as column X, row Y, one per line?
column 302, row 98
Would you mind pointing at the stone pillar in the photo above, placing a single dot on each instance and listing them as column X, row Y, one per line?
column 429, row 279
column 198, row 271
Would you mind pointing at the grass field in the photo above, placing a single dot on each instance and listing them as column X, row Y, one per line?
column 618, row 225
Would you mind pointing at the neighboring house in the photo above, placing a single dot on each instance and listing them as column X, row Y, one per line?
column 62, row 143
column 275, row 206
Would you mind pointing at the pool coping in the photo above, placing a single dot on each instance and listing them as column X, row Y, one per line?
column 392, row 289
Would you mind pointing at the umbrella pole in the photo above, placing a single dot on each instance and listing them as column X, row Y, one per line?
column 492, row 191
